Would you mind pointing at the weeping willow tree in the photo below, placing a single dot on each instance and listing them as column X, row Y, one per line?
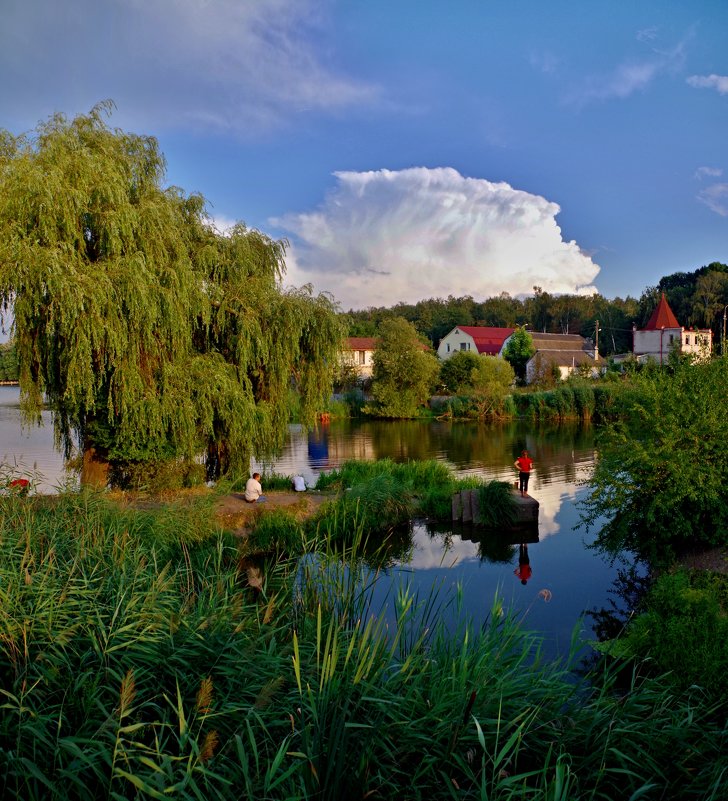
column 150, row 334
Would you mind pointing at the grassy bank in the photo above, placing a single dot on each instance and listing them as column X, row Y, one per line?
column 377, row 497
column 136, row 663
column 576, row 399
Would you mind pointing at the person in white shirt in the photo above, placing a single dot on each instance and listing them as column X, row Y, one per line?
column 254, row 490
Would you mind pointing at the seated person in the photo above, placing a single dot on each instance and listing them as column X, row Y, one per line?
column 299, row 485
column 254, row 490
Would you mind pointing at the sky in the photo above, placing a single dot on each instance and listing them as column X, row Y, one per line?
column 410, row 149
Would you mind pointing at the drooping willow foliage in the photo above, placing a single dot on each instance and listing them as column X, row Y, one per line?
column 151, row 334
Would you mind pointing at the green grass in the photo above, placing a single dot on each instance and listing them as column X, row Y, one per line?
column 136, row 663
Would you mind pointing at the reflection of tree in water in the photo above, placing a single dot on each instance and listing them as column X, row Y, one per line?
column 402, row 441
column 624, row 598
column 384, row 551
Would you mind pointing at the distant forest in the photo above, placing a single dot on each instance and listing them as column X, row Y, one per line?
column 698, row 299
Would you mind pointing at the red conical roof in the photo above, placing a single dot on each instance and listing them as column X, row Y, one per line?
column 662, row 317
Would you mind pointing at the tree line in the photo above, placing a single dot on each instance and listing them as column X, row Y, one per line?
column 697, row 298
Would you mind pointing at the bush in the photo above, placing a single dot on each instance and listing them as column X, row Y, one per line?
column 683, row 632
column 156, row 476
column 660, row 479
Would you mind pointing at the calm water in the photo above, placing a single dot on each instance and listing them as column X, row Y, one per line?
column 575, row 578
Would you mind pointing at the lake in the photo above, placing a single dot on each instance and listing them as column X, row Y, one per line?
column 564, row 570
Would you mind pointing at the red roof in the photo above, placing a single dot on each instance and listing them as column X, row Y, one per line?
column 662, row 317
column 487, row 340
column 361, row 343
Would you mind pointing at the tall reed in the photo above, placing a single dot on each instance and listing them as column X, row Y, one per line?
column 136, row 663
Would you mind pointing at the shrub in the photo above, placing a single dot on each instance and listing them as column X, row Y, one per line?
column 683, row 631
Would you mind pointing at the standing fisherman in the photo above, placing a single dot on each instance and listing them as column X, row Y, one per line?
column 524, row 465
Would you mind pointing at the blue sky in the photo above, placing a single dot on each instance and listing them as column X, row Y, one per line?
column 414, row 149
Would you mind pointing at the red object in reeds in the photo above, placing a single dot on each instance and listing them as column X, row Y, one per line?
column 20, row 485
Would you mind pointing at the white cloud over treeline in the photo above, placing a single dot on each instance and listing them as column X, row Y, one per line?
column 386, row 236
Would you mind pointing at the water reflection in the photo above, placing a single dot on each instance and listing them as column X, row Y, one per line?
column 474, row 564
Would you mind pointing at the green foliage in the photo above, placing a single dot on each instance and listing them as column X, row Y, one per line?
column 492, row 380
column 157, row 475
column 683, row 631
column 456, row 372
column 497, row 504
column 278, row 531
column 9, row 368
column 518, row 350
column 404, row 372
column 135, row 317
column 136, row 663
column 663, row 467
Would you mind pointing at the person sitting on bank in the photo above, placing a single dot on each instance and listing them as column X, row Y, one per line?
column 254, row 490
column 299, row 484
column 524, row 465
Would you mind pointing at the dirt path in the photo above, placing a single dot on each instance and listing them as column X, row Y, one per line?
column 238, row 516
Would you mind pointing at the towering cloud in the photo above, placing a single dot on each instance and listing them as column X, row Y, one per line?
column 387, row 236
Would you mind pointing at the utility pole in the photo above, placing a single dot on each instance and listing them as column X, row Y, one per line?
column 722, row 344
column 596, row 340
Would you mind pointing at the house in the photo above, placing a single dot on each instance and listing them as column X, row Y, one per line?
column 664, row 333
column 359, row 353
column 483, row 340
column 568, row 352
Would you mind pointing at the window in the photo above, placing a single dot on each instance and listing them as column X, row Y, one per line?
column 464, row 346
column 448, row 347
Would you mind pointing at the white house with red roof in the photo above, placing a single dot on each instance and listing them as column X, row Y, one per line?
column 359, row 353
column 482, row 340
column 663, row 333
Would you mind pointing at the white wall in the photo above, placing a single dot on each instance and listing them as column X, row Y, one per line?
column 454, row 342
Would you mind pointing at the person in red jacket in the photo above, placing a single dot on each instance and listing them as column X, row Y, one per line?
column 524, row 465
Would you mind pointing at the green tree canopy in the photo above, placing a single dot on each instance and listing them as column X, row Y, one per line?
column 456, row 372
column 492, row 380
column 150, row 333
column 518, row 350
column 404, row 371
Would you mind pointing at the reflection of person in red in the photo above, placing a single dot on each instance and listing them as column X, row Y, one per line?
column 523, row 571
column 524, row 465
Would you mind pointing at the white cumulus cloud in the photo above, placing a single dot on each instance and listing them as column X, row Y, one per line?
column 713, row 81
column 387, row 236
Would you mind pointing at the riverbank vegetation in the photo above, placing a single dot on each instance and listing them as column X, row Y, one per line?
column 377, row 497
column 137, row 663
column 659, row 486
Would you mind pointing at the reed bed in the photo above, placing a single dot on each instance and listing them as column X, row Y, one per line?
column 136, row 663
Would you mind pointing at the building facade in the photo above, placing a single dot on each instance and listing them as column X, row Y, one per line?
column 482, row 340
column 663, row 334
column 359, row 354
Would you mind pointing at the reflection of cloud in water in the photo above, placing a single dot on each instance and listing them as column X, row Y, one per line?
column 551, row 502
column 430, row 552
